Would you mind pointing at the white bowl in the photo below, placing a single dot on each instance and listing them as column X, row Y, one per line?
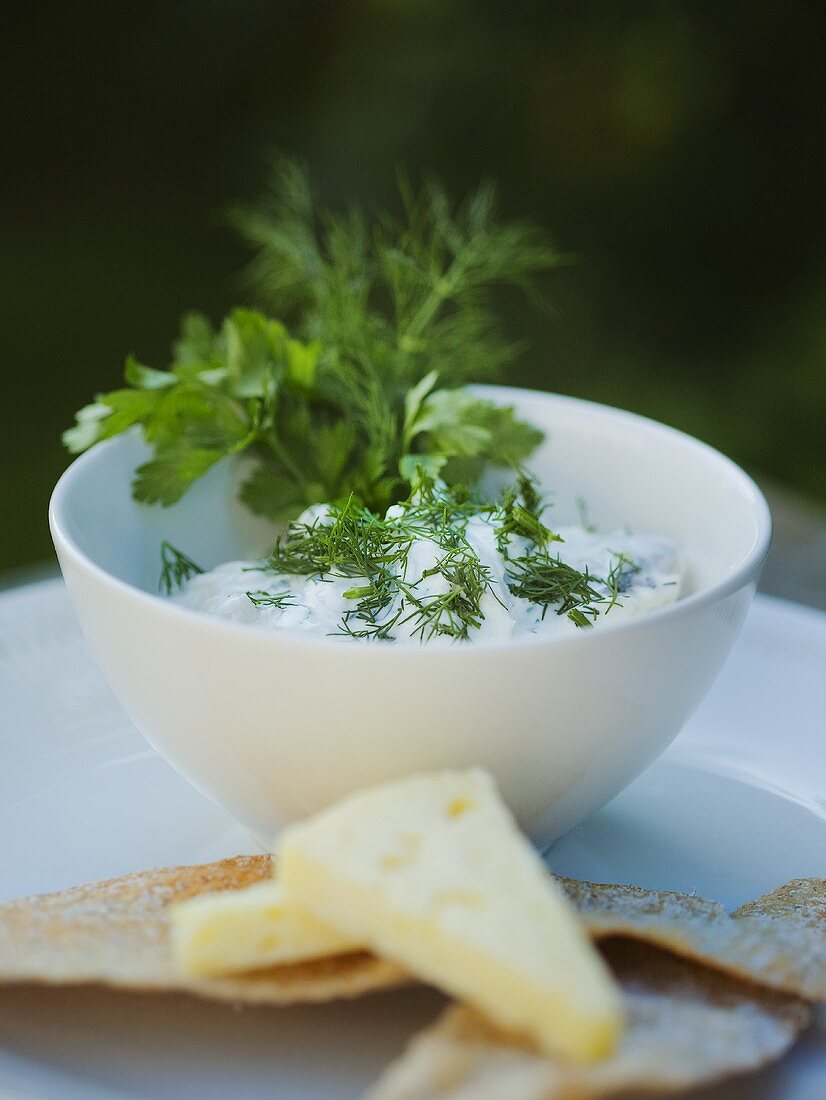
column 274, row 726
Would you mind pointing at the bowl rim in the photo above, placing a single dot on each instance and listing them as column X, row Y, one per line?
column 742, row 573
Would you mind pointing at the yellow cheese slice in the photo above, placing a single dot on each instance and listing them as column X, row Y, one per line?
column 433, row 873
column 222, row 933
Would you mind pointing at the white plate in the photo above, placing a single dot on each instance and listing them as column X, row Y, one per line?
column 733, row 808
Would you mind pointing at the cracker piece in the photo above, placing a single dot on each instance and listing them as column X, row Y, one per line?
column 778, row 940
column 687, row 1026
column 117, row 933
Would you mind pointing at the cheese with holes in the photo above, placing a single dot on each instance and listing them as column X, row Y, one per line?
column 433, row 873
column 222, row 933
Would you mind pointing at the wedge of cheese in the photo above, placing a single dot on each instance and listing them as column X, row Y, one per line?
column 433, row 873
column 234, row 930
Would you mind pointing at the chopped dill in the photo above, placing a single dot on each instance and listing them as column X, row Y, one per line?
column 519, row 513
column 584, row 516
column 271, row 599
column 354, row 542
column 551, row 583
column 351, row 542
column 457, row 610
column 445, row 599
column 620, row 577
column 176, row 568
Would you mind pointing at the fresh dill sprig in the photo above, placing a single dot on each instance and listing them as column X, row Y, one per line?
column 584, row 516
column 457, row 610
column 620, row 577
column 432, row 506
column 397, row 294
column 176, row 568
column 368, row 617
column 261, row 598
column 520, row 512
column 351, row 541
column 551, row 583
column 388, row 318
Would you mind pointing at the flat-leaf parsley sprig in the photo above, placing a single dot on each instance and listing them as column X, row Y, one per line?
column 388, row 318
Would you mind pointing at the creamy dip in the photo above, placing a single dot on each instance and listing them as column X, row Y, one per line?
column 633, row 573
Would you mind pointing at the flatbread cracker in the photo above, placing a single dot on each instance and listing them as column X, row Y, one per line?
column 116, row 933
column 805, row 897
column 778, row 940
column 686, row 1026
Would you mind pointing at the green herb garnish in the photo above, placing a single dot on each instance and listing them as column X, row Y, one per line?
column 176, row 568
column 351, row 541
column 271, row 599
column 585, row 516
column 620, row 577
column 457, row 610
column 387, row 319
column 520, row 513
column 549, row 582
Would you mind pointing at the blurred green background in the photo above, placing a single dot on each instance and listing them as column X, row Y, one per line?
column 673, row 146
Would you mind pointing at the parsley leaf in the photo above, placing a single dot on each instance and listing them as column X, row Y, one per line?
column 268, row 492
column 468, row 433
column 362, row 391
column 165, row 479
